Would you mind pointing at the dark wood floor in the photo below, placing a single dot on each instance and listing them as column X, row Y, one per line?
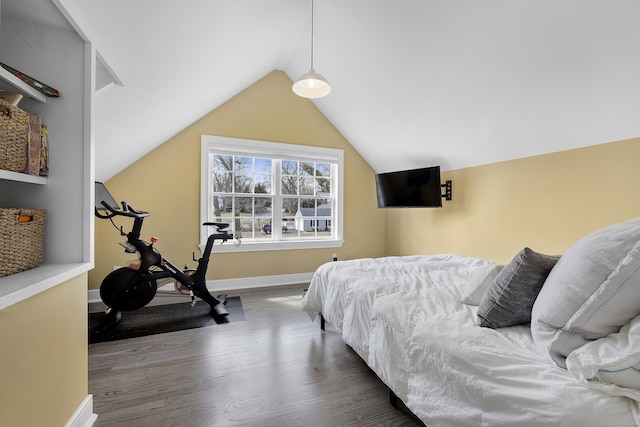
column 277, row 368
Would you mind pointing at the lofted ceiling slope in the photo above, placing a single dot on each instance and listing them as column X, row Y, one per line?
column 415, row 83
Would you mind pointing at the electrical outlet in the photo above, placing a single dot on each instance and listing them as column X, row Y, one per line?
column 334, row 257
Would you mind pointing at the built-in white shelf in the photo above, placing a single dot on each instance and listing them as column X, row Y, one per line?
column 21, row 286
column 10, row 83
column 22, row 177
column 32, row 45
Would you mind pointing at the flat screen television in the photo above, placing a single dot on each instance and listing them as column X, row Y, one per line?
column 414, row 188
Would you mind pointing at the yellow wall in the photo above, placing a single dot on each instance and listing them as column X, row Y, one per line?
column 43, row 354
column 545, row 202
column 166, row 183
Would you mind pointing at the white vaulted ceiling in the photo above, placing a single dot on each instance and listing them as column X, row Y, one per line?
column 415, row 82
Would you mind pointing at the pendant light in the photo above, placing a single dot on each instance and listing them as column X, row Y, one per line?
column 311, row 84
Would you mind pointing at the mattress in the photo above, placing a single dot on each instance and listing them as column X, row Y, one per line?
column 404, row 317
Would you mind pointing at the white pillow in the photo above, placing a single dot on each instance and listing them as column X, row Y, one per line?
column 478, row 285
column 592, row 291
column 612, row 363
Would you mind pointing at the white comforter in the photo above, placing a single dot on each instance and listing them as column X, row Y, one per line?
column 404, row 317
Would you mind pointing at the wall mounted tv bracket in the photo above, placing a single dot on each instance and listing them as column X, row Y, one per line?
column 447, row 189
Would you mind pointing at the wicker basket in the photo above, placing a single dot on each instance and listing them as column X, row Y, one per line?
column 14, row 137
column 21, row 239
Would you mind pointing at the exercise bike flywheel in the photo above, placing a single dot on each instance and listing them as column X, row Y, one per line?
column 126, row 289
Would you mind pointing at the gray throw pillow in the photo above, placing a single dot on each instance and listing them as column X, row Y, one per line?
column 510, row 298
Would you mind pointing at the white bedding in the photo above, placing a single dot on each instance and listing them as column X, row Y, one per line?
column 404, row 317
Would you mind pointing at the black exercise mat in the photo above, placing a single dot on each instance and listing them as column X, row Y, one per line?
column 159, row 319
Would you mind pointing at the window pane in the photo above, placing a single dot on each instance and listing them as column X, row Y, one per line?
column 323, row 228
column 307, row 186
column 308, row 207
column 243, row 183
column 262, row 184
column 222, row 182
column 243, row 206
column 324, row 208
column 243, row 164
column 307, row 169
column 289, row 206
column 323, row 169
column 289, row 185
column 262, row 165
column 221, row 207
column 262, row 206
column 323, row 187
column 248, row 226
column 290, row 224
column 222, row 163
column 289, row 167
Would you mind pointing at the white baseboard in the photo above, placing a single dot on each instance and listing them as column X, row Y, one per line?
column 93, row 295
column 84, row 416
column 258, row 282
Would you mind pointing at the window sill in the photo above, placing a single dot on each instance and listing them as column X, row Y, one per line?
column 274, row 246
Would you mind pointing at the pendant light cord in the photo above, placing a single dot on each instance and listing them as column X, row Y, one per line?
column 312, row 34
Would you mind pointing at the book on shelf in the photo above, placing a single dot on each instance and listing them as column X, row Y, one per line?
column 33, row 144
column 44, row 152
column 37, row 147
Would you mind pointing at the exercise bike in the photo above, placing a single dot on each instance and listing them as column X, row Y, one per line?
column 129, row 288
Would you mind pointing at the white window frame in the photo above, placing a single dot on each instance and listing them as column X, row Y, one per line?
column 254, row 148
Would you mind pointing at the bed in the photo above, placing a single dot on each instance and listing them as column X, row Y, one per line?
column 462, row 341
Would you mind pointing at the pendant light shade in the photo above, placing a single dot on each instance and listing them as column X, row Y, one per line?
column 311, row 84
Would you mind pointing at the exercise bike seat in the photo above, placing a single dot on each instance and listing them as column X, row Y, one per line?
column 219, row 225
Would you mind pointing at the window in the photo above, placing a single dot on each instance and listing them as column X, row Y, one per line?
column 278, row 196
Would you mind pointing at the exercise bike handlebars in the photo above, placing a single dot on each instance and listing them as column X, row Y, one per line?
column 127, row 210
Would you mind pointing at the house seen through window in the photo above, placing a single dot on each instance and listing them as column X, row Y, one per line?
column 278, row 196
